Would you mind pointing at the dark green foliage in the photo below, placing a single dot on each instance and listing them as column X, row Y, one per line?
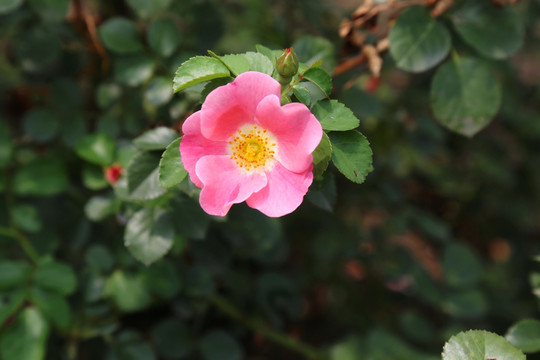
column 105, row 252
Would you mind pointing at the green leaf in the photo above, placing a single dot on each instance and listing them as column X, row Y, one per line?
column 9, row 5
column 47, row 241
column 128, row 292
column 351, row 348
column 525, row 335
column 494, row 31
column 108, row 94
column 277, row 294
column 462, row 267
column 259, row 62
column 163, row 36
column 142, row 177
column 156, row 139
column 73, row 130
column 465, row 95
column 129, row 345
column 302, row 94
column 125, row 154
column 480, row 345
column 163, row 279
column 199, row 281
column 322, row 156
column 383, row 345
column 98, row 258
column 466, row 304
column 146, row 9
column 534, row 280
column 6, row 145
column 236, row 62
column 41, row 125
column 190, row 220
column 323, row 192
column 55, row 276
column 108, row 125
column 333, row 115
column 50, row 10
column 158, row 92
column 93, row 177
column 196, row 70
column 120, row 36
column 97, row 148
column 417, row 41
column 268, row 53
column 253, row 234
column 214, row 84
column 417, row 326
column 134, row 70
column 99, row 207
column 27, row 338
column 27, row 218
column 43, row 176
column 13, row 274
column 149, row 235
column 10, row 302
column 173, row 339
column 66, row 96
column 319, row 78
column 219, row 345
column 53, row 305
column 310, row 49
column 37, row 49
column 171, row 169
column 351, row 154
column 136, row 351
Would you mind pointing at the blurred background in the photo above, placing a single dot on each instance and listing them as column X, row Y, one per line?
column 442, row 236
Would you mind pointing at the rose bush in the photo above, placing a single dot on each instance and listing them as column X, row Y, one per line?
column 105, row 252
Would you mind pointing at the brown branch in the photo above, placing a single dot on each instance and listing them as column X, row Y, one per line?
column 82, row 13
column 349, row 64
column 91, row 26
column 377, row 19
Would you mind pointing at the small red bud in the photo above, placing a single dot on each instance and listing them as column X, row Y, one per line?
column 113, row 173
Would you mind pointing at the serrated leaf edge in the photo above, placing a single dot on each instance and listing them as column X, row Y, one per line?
column 160, row 167
column 142, row 198
column 199, row 79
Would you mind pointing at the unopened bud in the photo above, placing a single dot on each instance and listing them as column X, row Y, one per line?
column 287, row 64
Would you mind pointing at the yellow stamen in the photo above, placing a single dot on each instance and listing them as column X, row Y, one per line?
column 251, row 149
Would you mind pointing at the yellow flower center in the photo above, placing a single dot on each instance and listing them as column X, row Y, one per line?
column 252, row 148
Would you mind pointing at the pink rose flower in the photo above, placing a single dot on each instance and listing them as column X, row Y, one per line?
column 244, row 146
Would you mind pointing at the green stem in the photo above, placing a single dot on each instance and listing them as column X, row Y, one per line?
column 256, row 325
column 12, row 230
column 23, row 242
column 290, row 87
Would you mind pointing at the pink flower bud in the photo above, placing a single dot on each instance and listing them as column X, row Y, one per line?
column 287, row 63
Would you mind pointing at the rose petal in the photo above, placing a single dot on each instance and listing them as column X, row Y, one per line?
column 230, row 106
column 194, row 146
column 297, row 131
column 224, row 184
column 284, row 192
